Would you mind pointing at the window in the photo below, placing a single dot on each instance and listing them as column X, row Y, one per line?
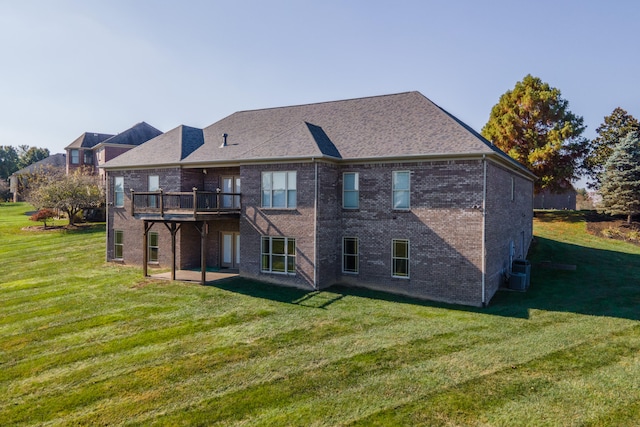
column 153, row 247
column 118, row 191
column 350, row 255
column 153, row 184
column 88, row 157
column 350, row 190
column 118, row 244
column 400, row 258
column 401, row 189
column 279, row 190
column 513, row 189
column 75, row 157
column 278, row 255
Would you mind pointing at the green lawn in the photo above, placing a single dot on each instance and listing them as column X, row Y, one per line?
column 83, row 342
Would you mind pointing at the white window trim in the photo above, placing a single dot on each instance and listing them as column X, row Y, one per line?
column 286, row 190
column 356, row 255
column 115, row 244
column 286, row 255
column 393, row 190
column 115, row 192
column 408, row 258
column 356, row 191
column 149, row 260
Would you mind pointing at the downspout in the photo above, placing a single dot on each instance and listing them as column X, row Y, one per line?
column 315, row 228
column 484, row 225
column 107, row 210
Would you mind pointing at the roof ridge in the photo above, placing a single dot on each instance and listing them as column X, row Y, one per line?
column 326, row 102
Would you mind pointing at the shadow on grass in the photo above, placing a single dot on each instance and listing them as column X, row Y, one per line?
column 605, row 283
column 562, row 216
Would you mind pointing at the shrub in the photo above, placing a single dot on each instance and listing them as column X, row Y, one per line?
column 43, row 215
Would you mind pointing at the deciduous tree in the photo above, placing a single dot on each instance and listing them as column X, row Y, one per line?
column 614, row 128
column 620, row 184
column 69, row 193
column 532, row 124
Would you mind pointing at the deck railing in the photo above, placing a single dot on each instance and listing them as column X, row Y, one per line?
column 185, row 203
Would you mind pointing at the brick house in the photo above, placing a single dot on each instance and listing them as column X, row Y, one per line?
column 91, row 150
column 18, row 181
column 388, row 192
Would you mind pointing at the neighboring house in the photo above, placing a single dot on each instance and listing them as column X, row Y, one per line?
column 565, row 200
column 388, row 192
column 94, row 149
column 18, row 181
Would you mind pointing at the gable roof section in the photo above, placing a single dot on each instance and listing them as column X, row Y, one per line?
column 169, row 148
column 135, row 135
column 58, row 160
column 395, row 126
column 88, row 140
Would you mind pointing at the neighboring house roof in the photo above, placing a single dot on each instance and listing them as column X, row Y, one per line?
column 88, row 140
column 389, row 126
column 173, row 147
column 135, row 135
column 55, row 160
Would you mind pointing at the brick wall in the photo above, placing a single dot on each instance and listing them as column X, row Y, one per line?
column 508, row 219
column 443, row 227
column 296, row 223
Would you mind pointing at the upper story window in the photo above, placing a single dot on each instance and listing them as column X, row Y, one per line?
column 88, row 157
column 513, row 189
column 350, row 190
column 75, row 157
column 401, row 189
column 118, row 191
column 153, row 184
column 279, row 190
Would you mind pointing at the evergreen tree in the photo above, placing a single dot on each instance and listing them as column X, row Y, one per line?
column 620, row 183
column 532, row 124
column 615, row 127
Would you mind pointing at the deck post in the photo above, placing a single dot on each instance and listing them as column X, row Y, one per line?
column 195, row 201
column 203, row 253
column 161, row 203
column 144, row 248
column 173, row 250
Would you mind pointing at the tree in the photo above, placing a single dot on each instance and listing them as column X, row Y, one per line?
column 532, row 124
column 69, row 193
column 620, row 184
column 615, row 127
column 8, row 161
column 30, row 155
column 43, row 215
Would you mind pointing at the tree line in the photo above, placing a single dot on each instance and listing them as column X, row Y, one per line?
column 13, row 159
column 533, row 124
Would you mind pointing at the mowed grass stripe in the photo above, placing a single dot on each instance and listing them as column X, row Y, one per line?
column 326, row 358
column 471, row 402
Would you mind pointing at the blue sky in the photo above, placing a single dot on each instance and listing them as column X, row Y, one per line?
column 102, row 66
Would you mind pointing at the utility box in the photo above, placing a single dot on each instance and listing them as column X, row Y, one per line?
column 524, row 267
column 518, row 281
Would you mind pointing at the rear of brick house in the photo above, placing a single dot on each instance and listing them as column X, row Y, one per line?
column 390, row 193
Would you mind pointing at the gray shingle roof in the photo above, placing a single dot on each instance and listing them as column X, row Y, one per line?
column 55, row 160
column 171, row 147
column 135, row 135
column 88, row 140
column 389, row 126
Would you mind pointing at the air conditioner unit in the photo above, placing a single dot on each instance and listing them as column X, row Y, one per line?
column 518, row 281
